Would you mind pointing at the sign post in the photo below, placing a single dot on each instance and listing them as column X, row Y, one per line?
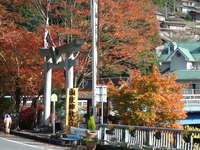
column 71, row 108
column 101, row 94
column 54, row 99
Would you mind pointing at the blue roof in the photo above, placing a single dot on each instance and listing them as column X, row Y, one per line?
column 193, row 118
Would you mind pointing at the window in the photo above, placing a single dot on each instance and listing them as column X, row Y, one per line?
column 79, row 104
column 196, row 66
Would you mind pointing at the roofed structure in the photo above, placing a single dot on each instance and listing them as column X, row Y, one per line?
column 183, row 60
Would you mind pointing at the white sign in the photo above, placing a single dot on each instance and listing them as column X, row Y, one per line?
column 54, row 98
column 101, row 93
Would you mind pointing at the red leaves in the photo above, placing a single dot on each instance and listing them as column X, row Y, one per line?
column 28, row 115
column 50, row 7
column 58, row 79
column 81, row 1
column 128, row 28
column 20, row 50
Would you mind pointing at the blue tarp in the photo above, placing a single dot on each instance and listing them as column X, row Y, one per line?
column 193, row 118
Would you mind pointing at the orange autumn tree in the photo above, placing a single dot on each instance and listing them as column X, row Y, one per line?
column 149, row 100
column 22, row 64
column 65, row 25
column 128, row 29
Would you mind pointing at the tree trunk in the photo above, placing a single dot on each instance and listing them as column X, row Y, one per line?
column 17, row 103
column 17, row 99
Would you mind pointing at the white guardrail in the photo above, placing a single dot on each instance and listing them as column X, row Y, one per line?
column 149, row 137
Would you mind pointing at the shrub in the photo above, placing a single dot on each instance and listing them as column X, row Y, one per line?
column 91, row 123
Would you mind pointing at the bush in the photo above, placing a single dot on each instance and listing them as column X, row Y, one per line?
column 28, row 116
column 91, row 123
column 6, row 105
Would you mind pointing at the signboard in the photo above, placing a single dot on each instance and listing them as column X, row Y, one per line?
column 72, row 107
column 54, row 98
column 101, row 93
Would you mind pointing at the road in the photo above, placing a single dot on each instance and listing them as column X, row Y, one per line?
column 11, row 142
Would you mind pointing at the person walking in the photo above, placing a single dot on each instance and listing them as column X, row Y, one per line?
column 7, row 123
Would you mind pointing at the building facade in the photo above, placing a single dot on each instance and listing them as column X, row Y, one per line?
column 183, row 59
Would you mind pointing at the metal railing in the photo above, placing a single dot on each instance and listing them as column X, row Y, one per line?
column 148, row 137
column 191, row 91
column 191, row 97
column 191, row 102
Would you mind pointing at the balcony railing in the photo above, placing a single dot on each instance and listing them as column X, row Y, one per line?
column 191, row 97
column 191, row 102
column 191, row 91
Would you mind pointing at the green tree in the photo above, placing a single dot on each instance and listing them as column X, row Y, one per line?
column 32, row 19
column 6, row 105
column 160, row 3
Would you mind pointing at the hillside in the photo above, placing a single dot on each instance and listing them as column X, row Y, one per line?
column 179, row 19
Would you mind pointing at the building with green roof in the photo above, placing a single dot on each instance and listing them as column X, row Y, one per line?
column 183, row 59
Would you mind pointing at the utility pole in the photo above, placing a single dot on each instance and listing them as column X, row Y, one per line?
column 94, row 21
column 48, row 75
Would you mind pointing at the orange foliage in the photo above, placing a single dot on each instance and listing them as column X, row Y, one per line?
column 127, row 29
column 20, row 50
column 149, row 100
column 21, row 70
column 58, row 78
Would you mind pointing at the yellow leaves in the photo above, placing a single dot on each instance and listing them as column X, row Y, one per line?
column 86, row 46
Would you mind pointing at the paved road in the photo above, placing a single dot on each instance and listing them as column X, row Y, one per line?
column 11, row 142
